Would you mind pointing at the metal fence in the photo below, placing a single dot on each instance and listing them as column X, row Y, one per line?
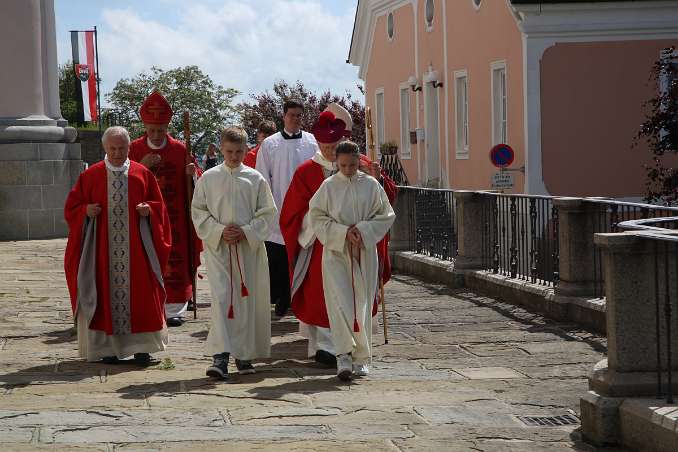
column 431, row 221
column 608, row 216
column 520, row 237
column 665, row 250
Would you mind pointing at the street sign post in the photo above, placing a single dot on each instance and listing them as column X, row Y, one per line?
column 502, row 155
column 502, row 180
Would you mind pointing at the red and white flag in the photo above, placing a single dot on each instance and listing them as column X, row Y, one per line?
column 84, row 58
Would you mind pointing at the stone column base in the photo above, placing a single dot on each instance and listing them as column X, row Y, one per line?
column 600, row 419
column 35, row 179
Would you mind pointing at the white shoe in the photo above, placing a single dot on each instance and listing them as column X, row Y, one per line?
column 344, row 367
column 361, row 370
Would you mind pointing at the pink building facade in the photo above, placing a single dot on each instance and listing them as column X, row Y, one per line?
column 562, row 82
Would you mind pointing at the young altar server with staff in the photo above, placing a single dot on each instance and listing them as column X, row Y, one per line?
column 350, row 214
column 232, row 211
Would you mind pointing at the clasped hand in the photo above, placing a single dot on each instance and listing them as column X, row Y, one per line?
column 233, row 234
column 93, row 210
column 353, row 236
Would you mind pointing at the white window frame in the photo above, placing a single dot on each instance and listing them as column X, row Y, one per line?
column 379, row 121
column 429, row 26
column 499, row 108
column 462, row 148
column 405, row 145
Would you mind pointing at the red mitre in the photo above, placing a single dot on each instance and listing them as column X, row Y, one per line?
column 156, row 109
column 328, row 129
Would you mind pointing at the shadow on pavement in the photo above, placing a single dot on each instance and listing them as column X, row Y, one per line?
column 64, row 372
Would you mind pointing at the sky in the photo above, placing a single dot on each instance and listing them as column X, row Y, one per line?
column 246, row 45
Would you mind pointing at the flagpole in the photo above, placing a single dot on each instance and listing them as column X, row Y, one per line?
column 96, row 56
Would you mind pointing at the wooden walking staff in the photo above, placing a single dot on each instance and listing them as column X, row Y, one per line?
column 373, row 156
column 192, row 271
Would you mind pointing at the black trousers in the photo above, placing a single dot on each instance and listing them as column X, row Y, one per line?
column 279, row 276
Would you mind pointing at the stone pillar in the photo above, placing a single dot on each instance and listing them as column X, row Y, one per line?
column 630, row 370
column 471, row 209
column 576, row 228
column 404, row 224
column 39, row 161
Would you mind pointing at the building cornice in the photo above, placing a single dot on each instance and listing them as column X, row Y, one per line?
column 636, row 20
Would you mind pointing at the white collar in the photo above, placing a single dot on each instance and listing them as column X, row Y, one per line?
column 110, row 167
column 351, row 179
column 320, row 159
column 152, row 146
column 237, row 169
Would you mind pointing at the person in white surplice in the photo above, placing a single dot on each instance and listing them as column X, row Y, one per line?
column 350, row 213
column 232, row 211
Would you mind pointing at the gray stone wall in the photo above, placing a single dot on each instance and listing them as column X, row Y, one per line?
column 35, row 179
column 90, row 146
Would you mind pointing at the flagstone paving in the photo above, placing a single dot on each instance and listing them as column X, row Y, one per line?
column 457, row 372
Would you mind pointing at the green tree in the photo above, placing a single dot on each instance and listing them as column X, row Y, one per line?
column 67, row 94
column 186, row 89
column 269, row 106
column 660, row 131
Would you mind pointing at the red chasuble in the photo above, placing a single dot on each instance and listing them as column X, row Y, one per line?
column 172, row 178
column 308, row 302
column 145, row 305
column 251, row 157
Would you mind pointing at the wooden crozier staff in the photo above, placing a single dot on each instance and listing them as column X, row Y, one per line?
column 373, row 157
column 192, row 271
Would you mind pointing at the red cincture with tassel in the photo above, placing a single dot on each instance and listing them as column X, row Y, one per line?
column 243, row 289
column 356, row 326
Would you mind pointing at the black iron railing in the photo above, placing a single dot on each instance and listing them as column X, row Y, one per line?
column 665, row 250
column 609, row 214
column 431, row 221
column 520, row 237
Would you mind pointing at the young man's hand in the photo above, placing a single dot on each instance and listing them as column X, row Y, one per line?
column 233, row 234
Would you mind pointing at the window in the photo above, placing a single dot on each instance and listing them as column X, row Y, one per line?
column 461, row 112
column 499, row 124
column 379, row 107
column 429, row 11
column 389, row 26
column 405, row 151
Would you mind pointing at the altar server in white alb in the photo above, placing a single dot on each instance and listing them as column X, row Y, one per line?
column 279, row 157
column 350, row 213
column 232, row 211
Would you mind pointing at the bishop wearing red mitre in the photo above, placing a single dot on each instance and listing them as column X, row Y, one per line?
column 168, row 159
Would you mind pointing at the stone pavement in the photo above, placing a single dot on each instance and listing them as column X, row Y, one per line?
column 458, row 370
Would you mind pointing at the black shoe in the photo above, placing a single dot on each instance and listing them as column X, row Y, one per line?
column 191, row 305
column 281, row 309
column 219, row 367
column 175, row 321
column 244, row 367
column 326, row 358
column 142, row 359
column 110, row 360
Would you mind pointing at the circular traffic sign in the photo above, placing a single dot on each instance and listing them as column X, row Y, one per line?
column 502, row 155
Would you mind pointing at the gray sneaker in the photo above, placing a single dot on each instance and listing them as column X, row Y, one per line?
column 219, row 367
column 244, row 367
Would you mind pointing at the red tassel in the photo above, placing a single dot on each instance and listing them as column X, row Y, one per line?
column 243, row 290
column 356, row 327
column 230, row 312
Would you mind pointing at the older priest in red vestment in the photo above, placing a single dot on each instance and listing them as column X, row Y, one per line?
column 119, row 240
column 304, row 250
column 168, row 160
